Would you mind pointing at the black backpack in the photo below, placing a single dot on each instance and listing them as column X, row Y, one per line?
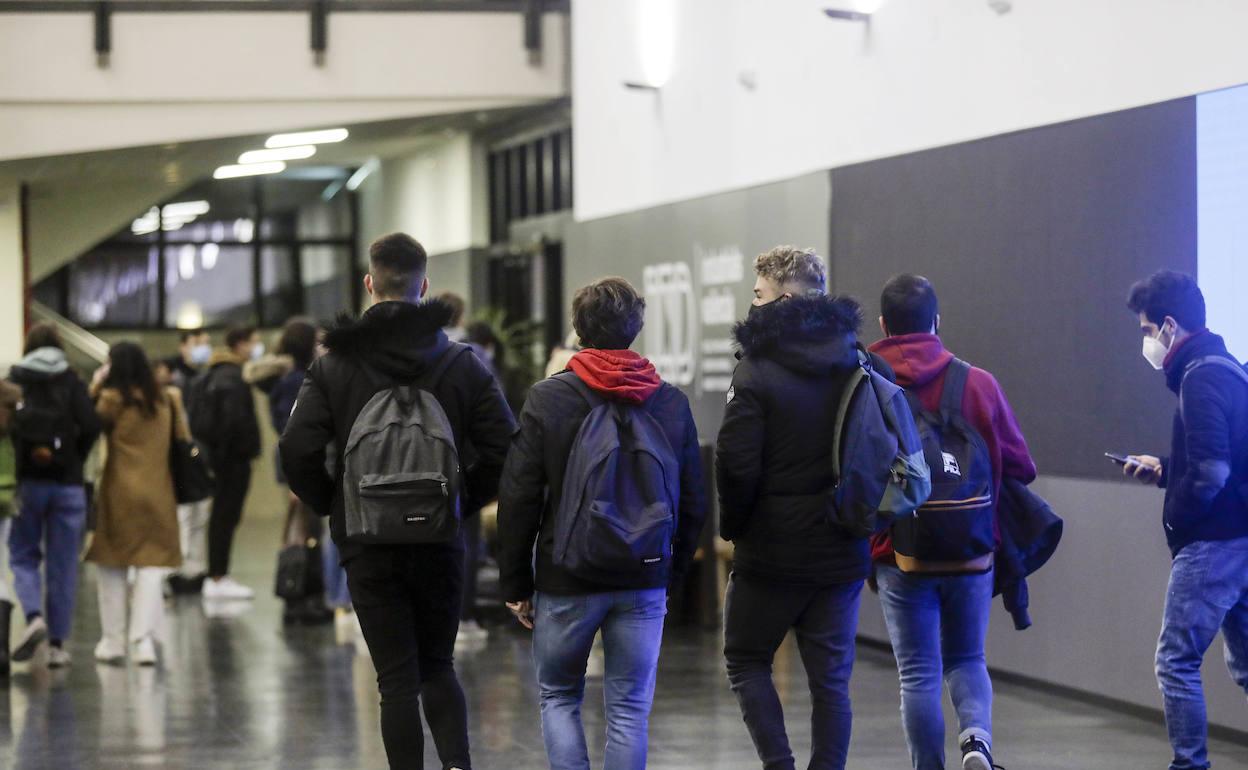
column 45, row 433
column 957, row 523
column 616, row 521
column 202, row 401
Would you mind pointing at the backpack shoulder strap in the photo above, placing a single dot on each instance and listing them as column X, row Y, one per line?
column 1221, row 361
column 440, row 369
column 955, row 386
column 570, row 379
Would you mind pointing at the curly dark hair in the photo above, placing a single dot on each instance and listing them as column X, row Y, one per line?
column 130, row 372
column 608, row 314
column 1169, row 293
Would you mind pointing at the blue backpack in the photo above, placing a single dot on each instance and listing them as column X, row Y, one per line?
column 617, row 518
column 877, row 456
column 957, row 523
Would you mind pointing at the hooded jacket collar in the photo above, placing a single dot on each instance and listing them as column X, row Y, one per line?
column 809, row 335
column 1199, row 345
column 225, row 356
column 39, row 365
column 398, row 339
column 917, row 359
column 619, row 374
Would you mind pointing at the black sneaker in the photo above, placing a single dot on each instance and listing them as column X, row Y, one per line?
column 184, row 586
column 976, row 755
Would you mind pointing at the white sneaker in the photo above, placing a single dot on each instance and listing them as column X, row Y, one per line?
column 144, row 652
column 110, row 651
column 471, row 631
column 227, row 588
column 59, row 657
column 36, row 631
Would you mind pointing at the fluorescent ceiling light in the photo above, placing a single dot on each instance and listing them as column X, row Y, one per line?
column 186, row 209
column 328, row 136
column 361, row 174
column 281, row 153
column 251, row 169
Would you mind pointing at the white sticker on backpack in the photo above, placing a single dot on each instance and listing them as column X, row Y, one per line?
column 732, row 393
column 951, row 465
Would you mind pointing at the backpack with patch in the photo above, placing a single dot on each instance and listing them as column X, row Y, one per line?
column 44, row 430
column 401, row 470
column 616, row 521
column 877, row 458
column 201, row 400
column 957, row 523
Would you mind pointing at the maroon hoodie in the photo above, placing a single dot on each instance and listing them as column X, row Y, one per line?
column 920, row 362
column 618, row 374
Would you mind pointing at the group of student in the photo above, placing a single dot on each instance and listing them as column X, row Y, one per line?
column 396, row 433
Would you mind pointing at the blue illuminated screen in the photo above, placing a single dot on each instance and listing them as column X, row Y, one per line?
column 1222, row 208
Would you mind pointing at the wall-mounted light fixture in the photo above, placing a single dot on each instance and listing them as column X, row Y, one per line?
column 862, row 10
column 656, row 44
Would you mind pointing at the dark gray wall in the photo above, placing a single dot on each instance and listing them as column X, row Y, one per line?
column 1032, row 240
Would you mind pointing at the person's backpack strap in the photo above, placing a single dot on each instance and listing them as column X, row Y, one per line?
column 954, row 390
column 570, row 379
column 452, row 354
column 860, row 373
column 1222, row 361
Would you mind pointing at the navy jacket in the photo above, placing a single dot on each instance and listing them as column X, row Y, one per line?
column 1206, row 474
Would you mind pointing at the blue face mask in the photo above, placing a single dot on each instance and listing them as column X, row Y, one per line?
column 200, row 354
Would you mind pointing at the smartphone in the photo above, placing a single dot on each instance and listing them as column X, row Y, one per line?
column 1117, row 458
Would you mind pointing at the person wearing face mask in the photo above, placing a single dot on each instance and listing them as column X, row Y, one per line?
column 224, row 422
column 773, row 459
column 194, row 350
column 1206, row 505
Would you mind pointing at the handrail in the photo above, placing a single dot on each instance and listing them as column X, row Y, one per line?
column 71, row 333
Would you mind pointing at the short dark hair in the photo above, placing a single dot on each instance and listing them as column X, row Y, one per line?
column 1169, row 293
column 42, row 335
column 456, row 304
column 909, row 305
column 398, row 263
column 236, row 335
column 186, row 335
column 298, row 341
column 608, row 314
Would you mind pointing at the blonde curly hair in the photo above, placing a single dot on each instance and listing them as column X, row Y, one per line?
column 790, row 266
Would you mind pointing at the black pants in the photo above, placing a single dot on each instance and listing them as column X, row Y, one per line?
column 470, row 525
column 757, row 616
column 233, row 479
column 407, row 599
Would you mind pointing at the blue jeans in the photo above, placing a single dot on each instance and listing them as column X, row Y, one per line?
column 55, row 514
column 632, row 632
column 937, row 625
column 757, row 616
column 337, row 595
column 1208, row 591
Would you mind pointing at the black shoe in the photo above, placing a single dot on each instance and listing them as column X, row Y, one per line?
column 184, row 586
column 976, row 755
column 6, row 616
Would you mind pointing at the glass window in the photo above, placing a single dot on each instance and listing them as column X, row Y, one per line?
column 208, row 285
column 116, row 285
column 279, row 285
column 327, row 280
column 219, row 211
column 295, row 206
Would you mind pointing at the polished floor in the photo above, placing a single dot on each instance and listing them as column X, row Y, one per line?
column 239, row 691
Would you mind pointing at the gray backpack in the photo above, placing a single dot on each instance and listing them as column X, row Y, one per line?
column 401, row 472
column 617, row 518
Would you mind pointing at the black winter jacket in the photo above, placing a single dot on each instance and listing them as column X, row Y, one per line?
column 401, row 342
column 1206, row 474
column 235, row 437
column 774, row 455
column 532, row 488
column 67, row 388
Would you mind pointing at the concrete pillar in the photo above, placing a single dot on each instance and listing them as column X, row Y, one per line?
column 12, row 275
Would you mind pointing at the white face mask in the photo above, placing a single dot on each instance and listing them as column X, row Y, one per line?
column 257, row 351
column 1155, row 351
column 200, row 354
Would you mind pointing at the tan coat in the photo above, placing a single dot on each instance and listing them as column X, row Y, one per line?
column 137, row 523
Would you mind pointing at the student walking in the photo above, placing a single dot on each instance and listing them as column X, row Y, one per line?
column 194, row 352
column 604, row 480
column 396, row 497
column 935, row 571
column 792, row 569
column 10, row 396
column 54, row 429
column 137, row 522
column 1205, row 516
column 223, row 420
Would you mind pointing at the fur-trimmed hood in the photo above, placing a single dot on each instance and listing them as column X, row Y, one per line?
column 399, row 339
column 804, row 334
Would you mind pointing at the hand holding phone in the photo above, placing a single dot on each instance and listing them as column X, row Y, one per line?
column 1144, row 468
